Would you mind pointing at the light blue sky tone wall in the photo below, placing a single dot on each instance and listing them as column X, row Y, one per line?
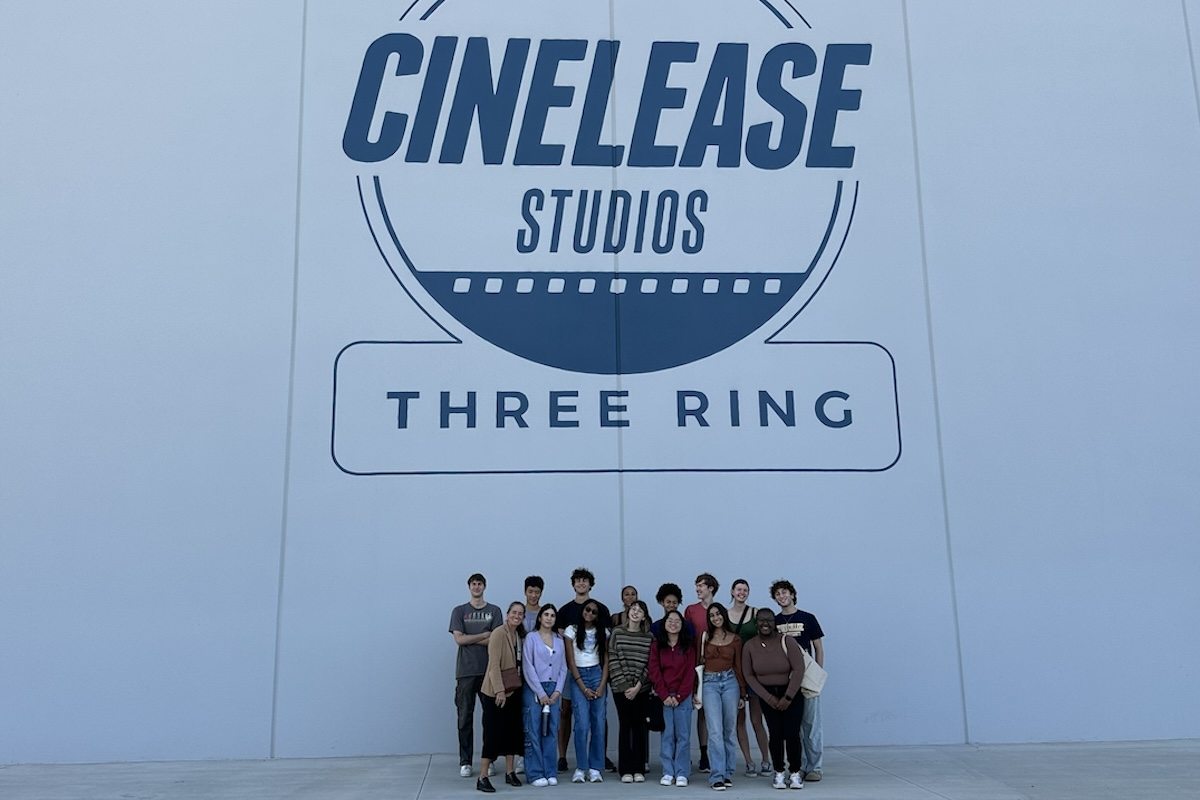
column 183, row 575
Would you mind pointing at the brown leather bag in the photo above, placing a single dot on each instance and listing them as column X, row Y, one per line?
column 511, row 678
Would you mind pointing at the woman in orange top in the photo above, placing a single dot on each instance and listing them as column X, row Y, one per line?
column 724, row 692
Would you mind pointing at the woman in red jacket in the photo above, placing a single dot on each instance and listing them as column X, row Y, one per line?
column 672, row 671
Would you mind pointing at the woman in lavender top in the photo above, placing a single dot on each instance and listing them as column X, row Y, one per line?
column 545, row 668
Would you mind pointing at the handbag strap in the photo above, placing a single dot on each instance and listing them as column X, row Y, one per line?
column 742, row 619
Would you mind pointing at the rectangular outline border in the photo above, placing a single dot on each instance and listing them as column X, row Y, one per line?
column 618, row 470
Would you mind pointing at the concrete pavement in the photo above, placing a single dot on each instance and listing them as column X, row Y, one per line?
column 1165, row 770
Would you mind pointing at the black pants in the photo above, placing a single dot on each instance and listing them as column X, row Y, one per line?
column 465, row 691
column 503, row 727
column 783, row 731
column 632, row 735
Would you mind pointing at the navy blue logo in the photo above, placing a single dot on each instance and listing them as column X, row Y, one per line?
column 609, row 204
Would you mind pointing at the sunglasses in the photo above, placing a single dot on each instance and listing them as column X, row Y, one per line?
column 591, row 610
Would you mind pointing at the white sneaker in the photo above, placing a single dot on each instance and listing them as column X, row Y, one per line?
column 553, row 779
column 594, row 776
column 667, row 780
column 492, row 770
column 540, row 782
column 577, row 777
column 464, row 771
column 780, row 781
column 626, row 779
column 520, row 765
column 681, row 780
column 797, row 781
column 639, row 777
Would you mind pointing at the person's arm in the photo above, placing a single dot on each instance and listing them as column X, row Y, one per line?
column 561, row 677
column 738, row 672
column 688, row 684
column 654, row 671
column 528, row 668
column 819, row 651
column 572, row 670
column 795, row 655
column 603, row 675
column 495, row 648
column 617, row 670
column 465, row 639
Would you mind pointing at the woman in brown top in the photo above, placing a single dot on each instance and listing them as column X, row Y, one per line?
column 503, row 731
column 774, row 666
column 724, row 693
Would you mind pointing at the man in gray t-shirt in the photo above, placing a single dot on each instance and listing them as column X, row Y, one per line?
column 471, row 624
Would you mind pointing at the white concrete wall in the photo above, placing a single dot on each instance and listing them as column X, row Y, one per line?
column 185, row 573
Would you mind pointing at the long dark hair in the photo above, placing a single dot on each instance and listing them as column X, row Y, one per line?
column 601, row 638
column 538, row 624
column 685, row 638
column 712, row 629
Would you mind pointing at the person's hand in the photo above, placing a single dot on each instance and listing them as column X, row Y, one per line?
column 545, row 701
column 670, row 702
column 741, row 702
column 554, row 698
column 696, row 702
column 500, row 700
column 783, row 704
column 631, row 693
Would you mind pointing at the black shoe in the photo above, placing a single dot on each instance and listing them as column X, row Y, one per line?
column 608, row 765
column 484, row 785
column 512, row 780
column 704, row 763
column 562, row 765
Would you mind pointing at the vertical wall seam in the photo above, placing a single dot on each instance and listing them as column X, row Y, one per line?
column 612, row 33
column 287, row 448
column 1187, row 33
column 937, row 413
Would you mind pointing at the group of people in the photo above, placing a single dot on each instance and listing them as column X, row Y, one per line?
column 543, row 672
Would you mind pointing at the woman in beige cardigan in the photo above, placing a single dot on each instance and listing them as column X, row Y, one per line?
column 503, row 728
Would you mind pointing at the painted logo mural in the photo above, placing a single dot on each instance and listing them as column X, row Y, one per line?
column 607, row 188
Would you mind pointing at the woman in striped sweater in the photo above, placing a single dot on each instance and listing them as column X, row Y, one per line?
column 629, row 654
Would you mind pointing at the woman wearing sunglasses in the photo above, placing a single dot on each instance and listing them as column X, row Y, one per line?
column 587, row 666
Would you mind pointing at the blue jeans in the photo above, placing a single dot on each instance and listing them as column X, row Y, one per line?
column 676, row 751
column 810, row 734
column 720, row 711
column 588, row 721
column 541, row 752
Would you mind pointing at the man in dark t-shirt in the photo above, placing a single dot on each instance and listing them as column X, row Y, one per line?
column 805, row 628
column 471, row 624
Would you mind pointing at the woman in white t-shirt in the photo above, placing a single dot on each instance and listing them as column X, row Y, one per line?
column 587, row 665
